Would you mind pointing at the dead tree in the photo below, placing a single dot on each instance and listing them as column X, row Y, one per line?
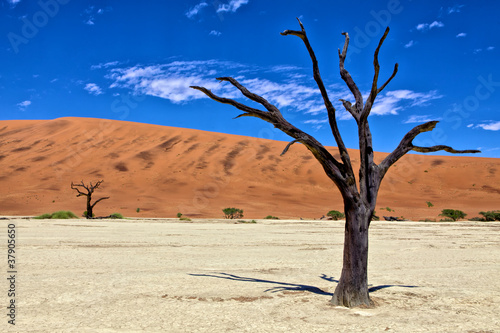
column 359, row 205
column 90, row 190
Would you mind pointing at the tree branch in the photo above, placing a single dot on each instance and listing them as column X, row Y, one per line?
column 344, row 74
column 406, row 145
column 249, row 111
column 333, row 168
column 326, row 99
column 95, row 203
column 375, row 90
column 288, row 146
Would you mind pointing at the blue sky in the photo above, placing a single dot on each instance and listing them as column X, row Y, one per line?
column 134, row 61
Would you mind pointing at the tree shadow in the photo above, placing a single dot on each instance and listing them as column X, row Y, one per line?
column 285, row 286
column 282, row 286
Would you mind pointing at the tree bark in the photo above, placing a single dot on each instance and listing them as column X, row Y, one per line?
column 352, row 289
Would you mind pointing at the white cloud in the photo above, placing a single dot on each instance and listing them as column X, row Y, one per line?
column 490, row 48
column 93, row 89
column 491, row 126
column 419, row 119
column 196, row 9
column 171, row 81
column 23, row 105
column 91, row 12
column 428, row 26
column 454, row 9
column 215, row 33
column 394, row 101
column 13, row 3
column 409, row 44
column 232, row 6
column 462, row 34
column 105, row 65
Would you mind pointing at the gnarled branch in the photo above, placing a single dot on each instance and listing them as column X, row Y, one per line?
column 406, row 145
column 375, row 90
column 326, row 99
column 346, row 76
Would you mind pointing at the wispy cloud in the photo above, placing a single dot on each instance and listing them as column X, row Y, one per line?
column 232, row 6
column 490, row 48
column 490, row 126
column 215, row 33
column 462, row 34
column 105, row 65
column 13, row 3
column 394, row 101
column 419, row 119
column 93, row 89
column 454, row 9
column 196, row 9
column 91, row 13
column 277, row 84
column 23, row 105
column 409, row 44
column 428, row 26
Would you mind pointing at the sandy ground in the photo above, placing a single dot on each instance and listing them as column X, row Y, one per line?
column 272, row 276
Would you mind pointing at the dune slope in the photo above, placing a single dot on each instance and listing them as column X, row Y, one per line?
column 165, row 170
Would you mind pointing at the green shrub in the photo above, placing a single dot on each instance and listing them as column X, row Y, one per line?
column 492, row 215
column 62, row 214
column 447, row 219
column 232, row 213
column 429, row 204
column 44, row 216
column 335, row 215
column 479, row 219
column 185, row 219
column 138, row 210
column 270, row 217
column 116, row 216
column 179, row 215
column 389, row 210
column 453, row 214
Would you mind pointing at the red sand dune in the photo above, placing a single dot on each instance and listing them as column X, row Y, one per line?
column 165, row 170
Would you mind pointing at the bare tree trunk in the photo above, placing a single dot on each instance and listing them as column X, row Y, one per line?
column 90, row 207
column 352, row 289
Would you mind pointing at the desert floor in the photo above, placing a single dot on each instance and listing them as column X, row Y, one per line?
column 273, row 276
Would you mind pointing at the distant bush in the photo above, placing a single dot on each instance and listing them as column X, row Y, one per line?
column 138, row 210
column 493, row 215
column 478, row 219
column 389, row 210
column 62, row 214
column 429, row 204
column 453, row 214
column 116, row 216
column 179, row 215
column 232, row 213
column 270, row 217
column 447, row 219
column 184, row 219
column 335, row 215
column 428, row 220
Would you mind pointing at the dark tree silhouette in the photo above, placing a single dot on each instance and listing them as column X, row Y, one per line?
column 89, row 191
column 359, row 205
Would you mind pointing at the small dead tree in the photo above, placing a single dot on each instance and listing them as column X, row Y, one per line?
column 359, row 205
column 89, row 191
